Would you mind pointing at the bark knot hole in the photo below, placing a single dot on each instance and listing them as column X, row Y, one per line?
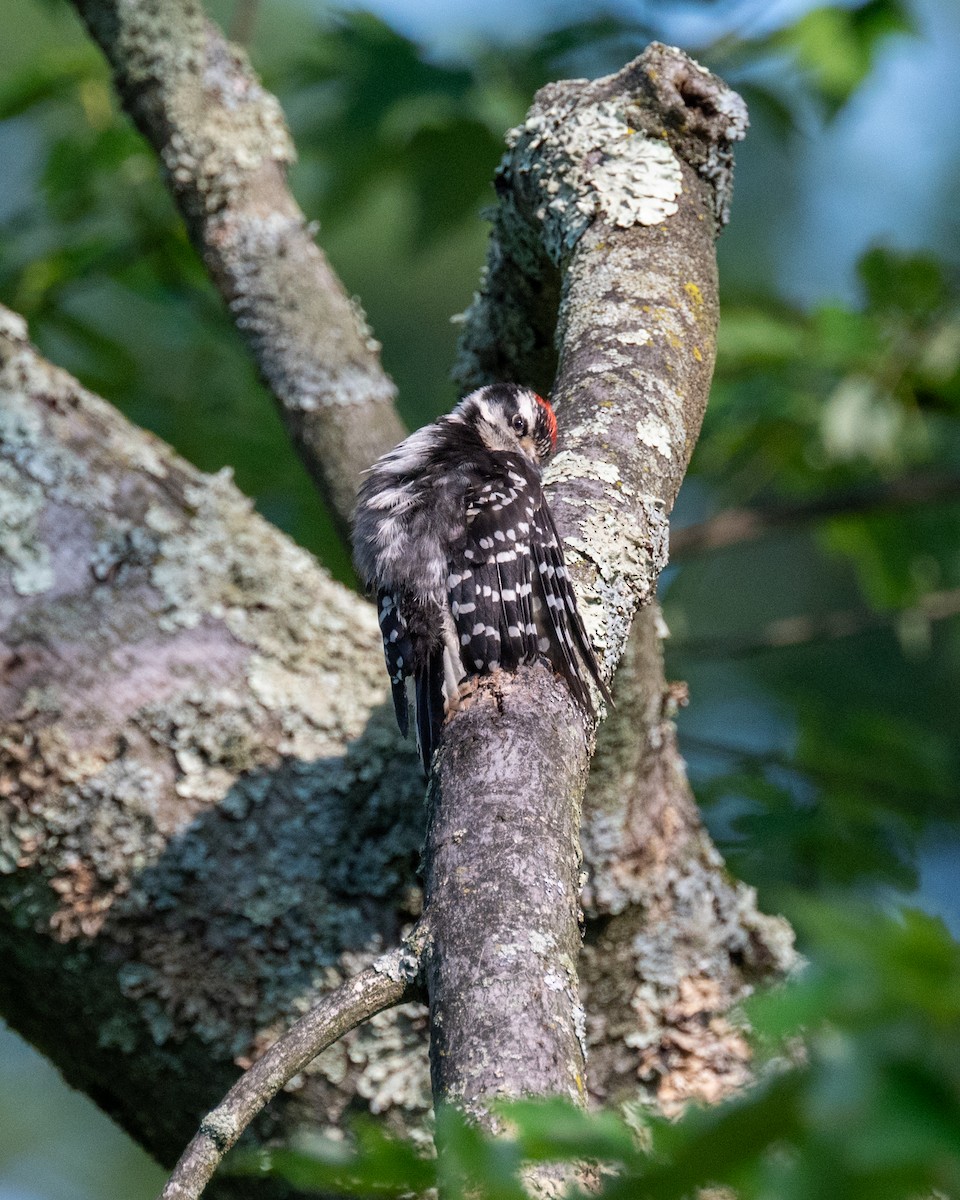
column 695, row 93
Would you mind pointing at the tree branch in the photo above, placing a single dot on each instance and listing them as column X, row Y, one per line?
column 613, row 190
column 207, row 816
column 608, row 196
column 689, row 939
column 672, row 942
column 738, row 525
column 812, row 629
column 501, row 873
column 390, row 981
column 225, row 148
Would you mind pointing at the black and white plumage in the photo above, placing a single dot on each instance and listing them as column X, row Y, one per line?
column 453, row 531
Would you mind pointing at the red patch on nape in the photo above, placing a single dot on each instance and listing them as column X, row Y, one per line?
column 551, row 419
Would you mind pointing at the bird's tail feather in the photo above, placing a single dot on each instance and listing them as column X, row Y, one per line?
column 430, row 707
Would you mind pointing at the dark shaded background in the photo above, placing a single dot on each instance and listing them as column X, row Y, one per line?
column 827, row 768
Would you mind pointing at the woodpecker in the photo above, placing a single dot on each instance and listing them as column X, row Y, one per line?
column 453, row 531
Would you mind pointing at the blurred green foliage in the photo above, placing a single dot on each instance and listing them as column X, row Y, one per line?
column 830, row 51
column 826, row 765
column 859, row 1097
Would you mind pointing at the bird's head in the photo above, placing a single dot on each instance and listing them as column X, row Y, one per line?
column 510, row 417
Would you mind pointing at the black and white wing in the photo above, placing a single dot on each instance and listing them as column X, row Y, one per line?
column 490, row 586
column 558, row 616
column 510, row 595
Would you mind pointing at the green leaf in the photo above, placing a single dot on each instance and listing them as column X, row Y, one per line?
column 473, row 1163
column 837, row 47
column 558, row 1130
column 913, row 284
column 750, row 337
column 378, row 1165
column 51, row 76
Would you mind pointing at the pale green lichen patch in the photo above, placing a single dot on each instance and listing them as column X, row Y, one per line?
column 591, row 164
column 625, row 551
column 609, row 890
column 346, row 385
column 226, row 563
column 31, row 473
column 302, row 859
column 214, row 735
column 387, row 1059
column 567, row 466
column 22, row 552
column 102, row 828
column 145, row 455
column 653, row 431
column 12, row 326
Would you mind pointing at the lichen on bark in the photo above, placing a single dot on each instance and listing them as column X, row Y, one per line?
column 674, row 943
column 196, row 766
column 629, row 316
column 199, row 767
column 225, row 148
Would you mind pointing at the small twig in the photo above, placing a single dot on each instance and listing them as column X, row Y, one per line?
column 828, row 627
column 391, row 980
column 747, row 759
column 739, row 525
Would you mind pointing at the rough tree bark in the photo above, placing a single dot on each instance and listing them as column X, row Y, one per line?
column 602, row 267
column 206, row 816
column 225, row 149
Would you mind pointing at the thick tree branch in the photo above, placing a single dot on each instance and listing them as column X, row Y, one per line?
column 225, row 148
column 391, row 980
column 206, row 816
column 612, row 192
column 502, row 891
column 608, row 203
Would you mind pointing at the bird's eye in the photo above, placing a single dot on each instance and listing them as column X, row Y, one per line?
column 519, row 425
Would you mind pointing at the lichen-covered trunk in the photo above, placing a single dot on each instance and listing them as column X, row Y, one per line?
column 206, row 815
